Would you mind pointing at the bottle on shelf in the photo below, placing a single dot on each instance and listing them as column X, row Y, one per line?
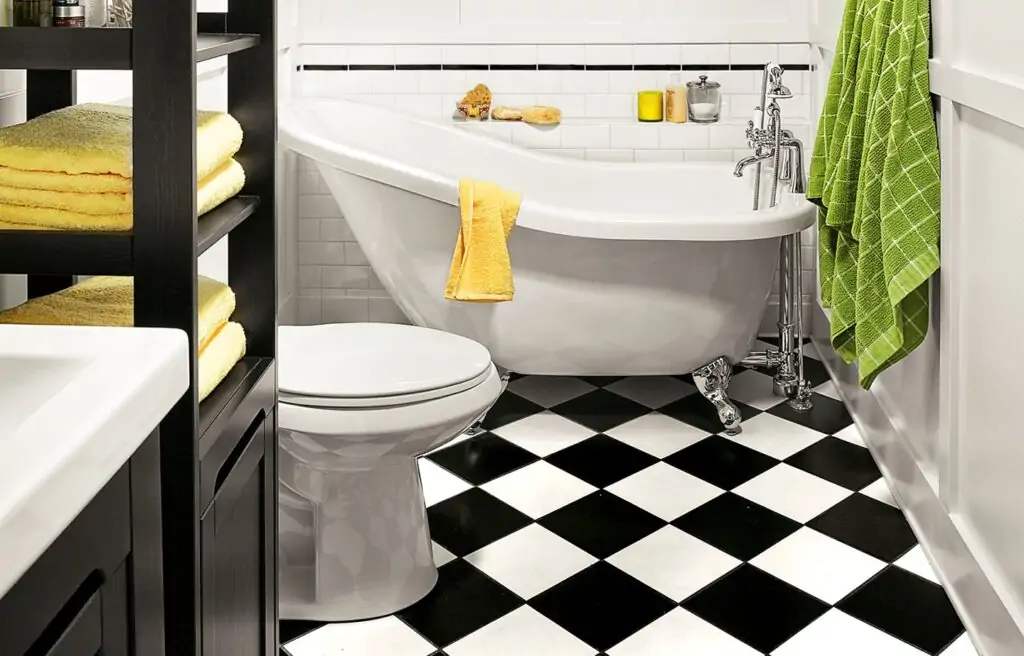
column 675, row 100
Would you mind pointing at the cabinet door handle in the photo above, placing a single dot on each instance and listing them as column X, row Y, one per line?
column 77, row 630
column 237, row 468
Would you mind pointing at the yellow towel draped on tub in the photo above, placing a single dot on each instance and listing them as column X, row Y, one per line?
column 35, row 209
column 481, row 268
column 109, row 301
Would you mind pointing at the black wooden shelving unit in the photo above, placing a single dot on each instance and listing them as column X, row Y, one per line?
column 217, row 458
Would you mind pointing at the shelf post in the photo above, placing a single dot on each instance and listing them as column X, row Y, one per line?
column 164, row 259
column 45, row 92
column 252, row 247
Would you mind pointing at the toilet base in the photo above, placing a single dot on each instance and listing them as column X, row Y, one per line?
column 354, row 545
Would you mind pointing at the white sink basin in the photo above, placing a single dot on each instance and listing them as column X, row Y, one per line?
column 75, row 404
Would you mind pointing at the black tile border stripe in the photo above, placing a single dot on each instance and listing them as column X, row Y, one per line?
column 513, row 67
column 657, row 67
column 561, row 67
column 545, row 67
column 325, row 67
column 418, row 67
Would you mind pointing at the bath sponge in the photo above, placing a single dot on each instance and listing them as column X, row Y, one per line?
column 541, row 115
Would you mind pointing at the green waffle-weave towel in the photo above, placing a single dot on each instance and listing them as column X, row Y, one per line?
column 875, row 176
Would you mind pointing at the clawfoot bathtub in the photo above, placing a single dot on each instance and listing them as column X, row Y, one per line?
column 620, row 269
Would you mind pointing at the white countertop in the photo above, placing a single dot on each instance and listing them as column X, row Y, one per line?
column 75, row 404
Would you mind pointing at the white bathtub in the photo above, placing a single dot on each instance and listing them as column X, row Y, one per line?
column 620, row 269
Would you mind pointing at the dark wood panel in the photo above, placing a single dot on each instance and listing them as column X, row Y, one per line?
column 164, row 256
column 146, row 561
column 234, row 556
column 45, row 91
column 58, row 588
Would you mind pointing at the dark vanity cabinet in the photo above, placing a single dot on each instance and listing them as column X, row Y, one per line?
column 98, row 589
column 238, row 528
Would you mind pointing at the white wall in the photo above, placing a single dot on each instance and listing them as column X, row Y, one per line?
column 947, row 433
column 561, row 21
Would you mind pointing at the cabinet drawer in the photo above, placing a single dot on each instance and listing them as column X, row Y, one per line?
column 55, row 606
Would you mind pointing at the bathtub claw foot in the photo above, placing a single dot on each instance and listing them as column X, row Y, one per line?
column 713, row 382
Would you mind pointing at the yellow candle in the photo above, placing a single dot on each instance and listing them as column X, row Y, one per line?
column 650, row 106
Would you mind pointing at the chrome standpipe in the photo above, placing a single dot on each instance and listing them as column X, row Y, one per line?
column 770, row 143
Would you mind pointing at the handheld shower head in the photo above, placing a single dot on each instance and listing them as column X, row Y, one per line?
column 779, row 91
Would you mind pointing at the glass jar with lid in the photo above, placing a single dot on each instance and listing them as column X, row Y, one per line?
column 704, row 100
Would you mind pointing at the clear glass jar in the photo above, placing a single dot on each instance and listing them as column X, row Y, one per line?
column 119, row 13
column 704, row 100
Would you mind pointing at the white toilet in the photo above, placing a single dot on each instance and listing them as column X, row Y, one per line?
column 357, row 404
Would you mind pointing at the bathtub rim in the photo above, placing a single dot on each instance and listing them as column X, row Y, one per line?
column 794, row 213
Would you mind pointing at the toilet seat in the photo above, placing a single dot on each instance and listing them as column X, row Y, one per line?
column 364, row 365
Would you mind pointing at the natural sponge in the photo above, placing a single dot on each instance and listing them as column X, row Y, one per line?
column 540, row 115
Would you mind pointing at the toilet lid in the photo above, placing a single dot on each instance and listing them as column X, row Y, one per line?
column 365, row 361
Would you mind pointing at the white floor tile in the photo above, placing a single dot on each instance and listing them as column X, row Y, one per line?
column 652, row 391
column 387, row 635
column 915, row 561
column 550, row 390
column 681, row 633
column 538, row 489
column 792, row 492
column 775, row 436
column 837, row 634
column 657, row 434
column 441, row 555
column 438, row 483
column 674, row 563
column 665, row 491
column 815, row 563
column 851, row 435
column 544, row 433
column 879, row 490
column 828, row 388
column 531, row 560
column 523, row 631
column 755, row 389
column 962, row 646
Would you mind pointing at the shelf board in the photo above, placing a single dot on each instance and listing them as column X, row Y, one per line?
column 57, row 252
column 209, row 46
column 95, row 48
column 217, row 409
column 223, row 219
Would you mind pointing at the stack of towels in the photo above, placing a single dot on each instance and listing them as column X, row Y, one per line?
column 71, row 169
column 109, row 301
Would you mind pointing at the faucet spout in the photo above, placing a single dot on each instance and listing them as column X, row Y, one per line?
column 747, row 161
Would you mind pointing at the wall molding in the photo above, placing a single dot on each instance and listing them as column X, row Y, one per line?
column 989, row 94
column 946, row 543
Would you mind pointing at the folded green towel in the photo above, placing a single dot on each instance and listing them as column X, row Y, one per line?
column 875, row 176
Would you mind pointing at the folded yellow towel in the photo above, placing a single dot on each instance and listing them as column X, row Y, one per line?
column 481, row 269
column 96, row 139
column 224, row 349
column 109, row 301
column 26, row 209
column 83, row 183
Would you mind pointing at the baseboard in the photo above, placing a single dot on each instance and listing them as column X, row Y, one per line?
column 988, row 621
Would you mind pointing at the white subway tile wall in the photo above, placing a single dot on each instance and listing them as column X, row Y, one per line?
column 595, row 86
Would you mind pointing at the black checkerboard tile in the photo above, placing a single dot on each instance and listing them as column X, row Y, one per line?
column 609, row 516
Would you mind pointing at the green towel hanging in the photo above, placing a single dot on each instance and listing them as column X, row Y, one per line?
column 875, row 176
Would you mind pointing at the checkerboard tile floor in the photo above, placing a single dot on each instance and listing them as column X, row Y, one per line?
column 607, row 516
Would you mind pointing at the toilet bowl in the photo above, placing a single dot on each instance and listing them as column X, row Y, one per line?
column 357, row 404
